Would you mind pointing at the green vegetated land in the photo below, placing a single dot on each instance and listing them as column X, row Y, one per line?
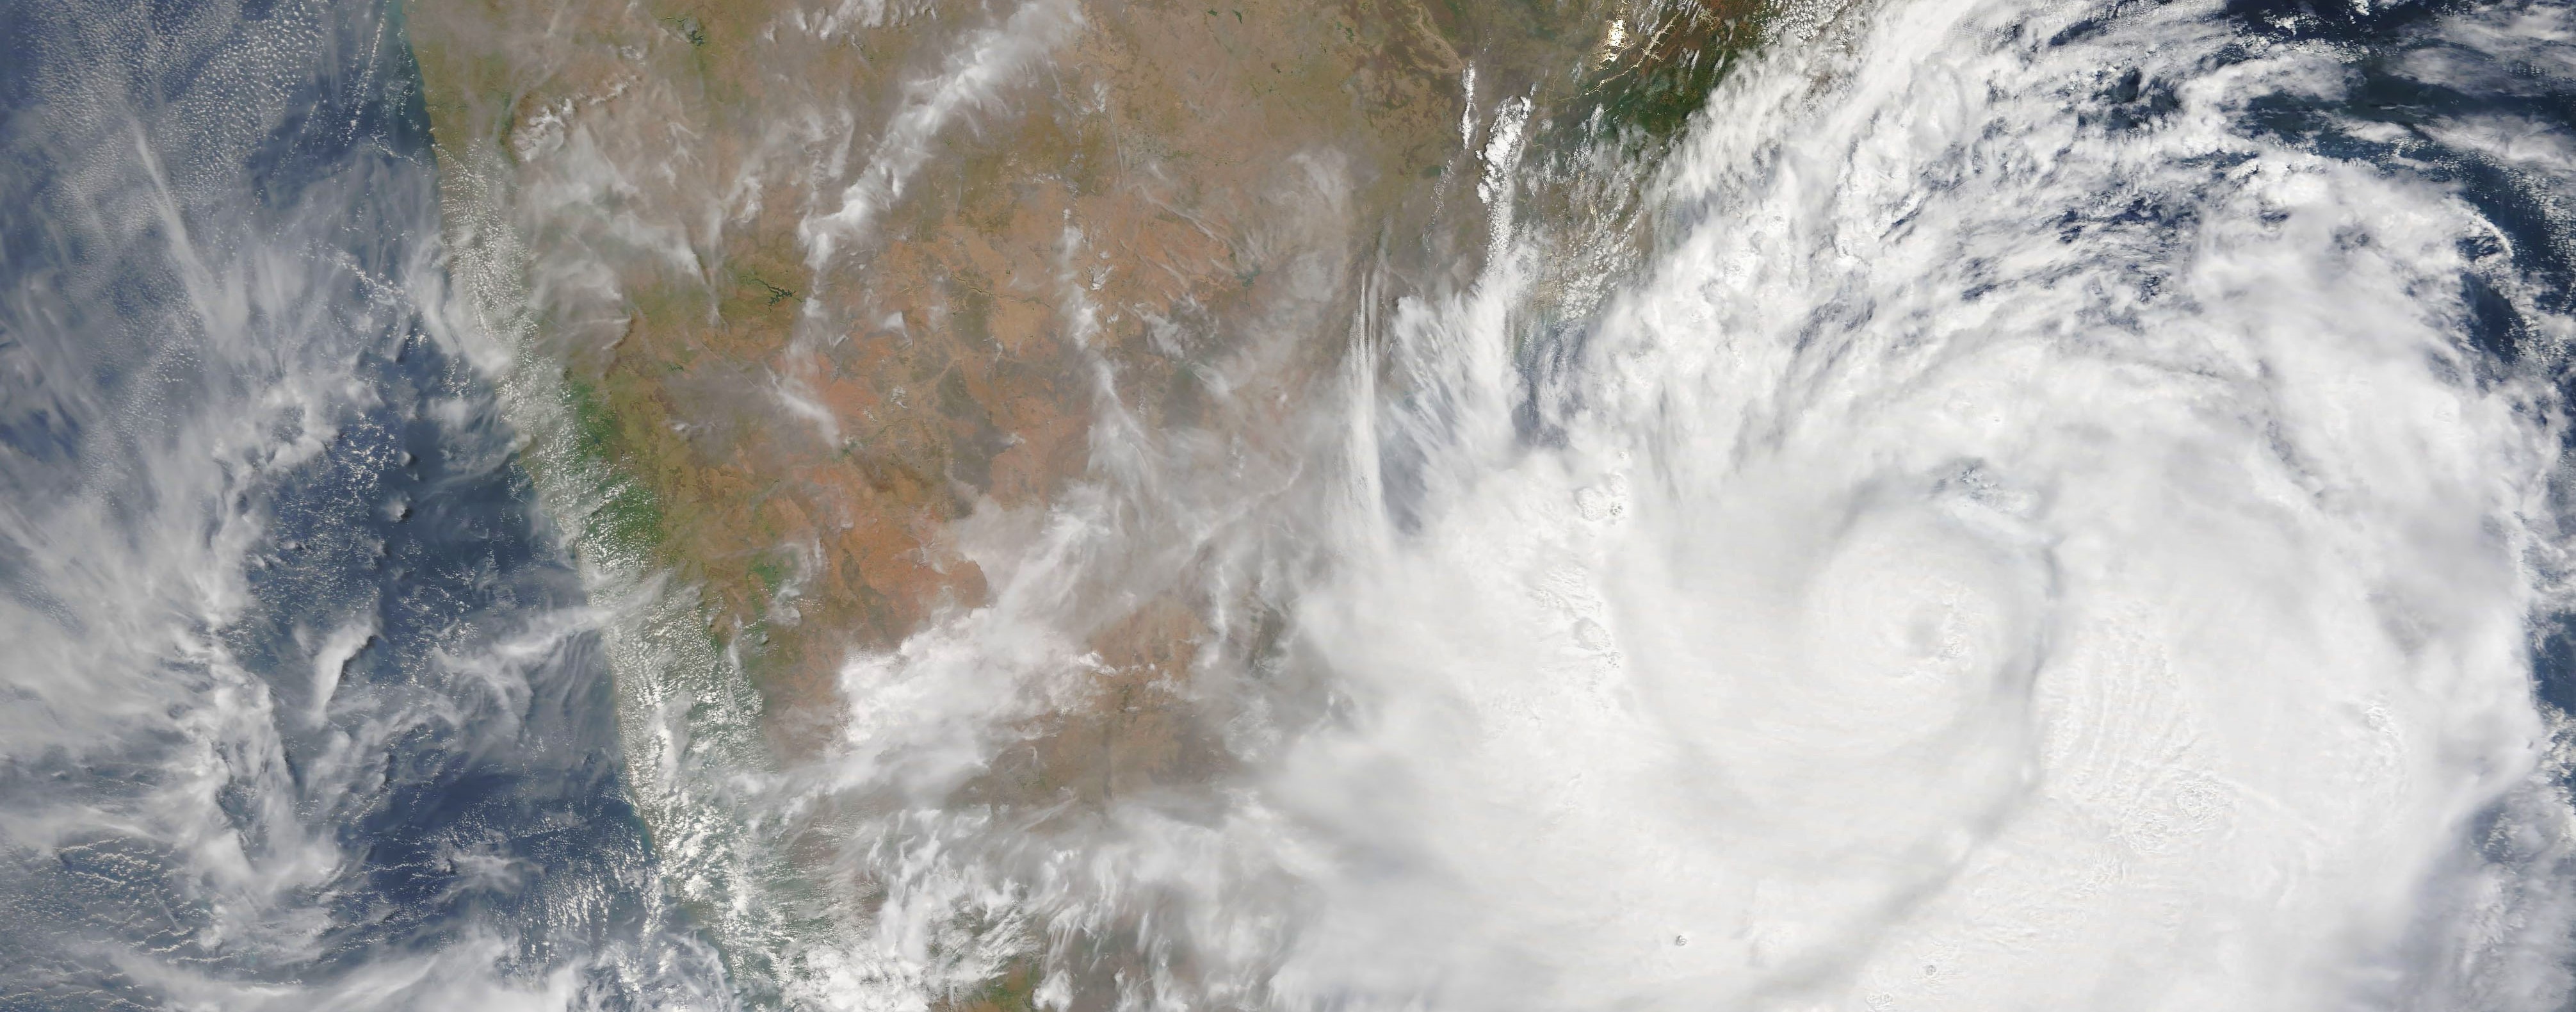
column 794, row 438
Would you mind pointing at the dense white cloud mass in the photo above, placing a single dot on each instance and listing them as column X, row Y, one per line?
column 2060, row 518
column 2042, row 533
column 1952, row 594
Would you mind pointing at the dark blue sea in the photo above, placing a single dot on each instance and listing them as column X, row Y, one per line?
column 299, row 703
column 302, row 705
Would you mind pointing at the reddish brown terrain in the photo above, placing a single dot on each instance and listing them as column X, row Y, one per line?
column 825, row 283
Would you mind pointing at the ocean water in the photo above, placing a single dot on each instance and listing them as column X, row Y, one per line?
column 2069, row 513
column 305, row 708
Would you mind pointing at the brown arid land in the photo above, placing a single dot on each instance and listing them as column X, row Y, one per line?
column 837, row 290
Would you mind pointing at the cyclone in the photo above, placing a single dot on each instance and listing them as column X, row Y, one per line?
column 1898, row 504
column 2061, row 524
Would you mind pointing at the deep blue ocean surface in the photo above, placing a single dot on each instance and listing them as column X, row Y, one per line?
column 301, row 705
